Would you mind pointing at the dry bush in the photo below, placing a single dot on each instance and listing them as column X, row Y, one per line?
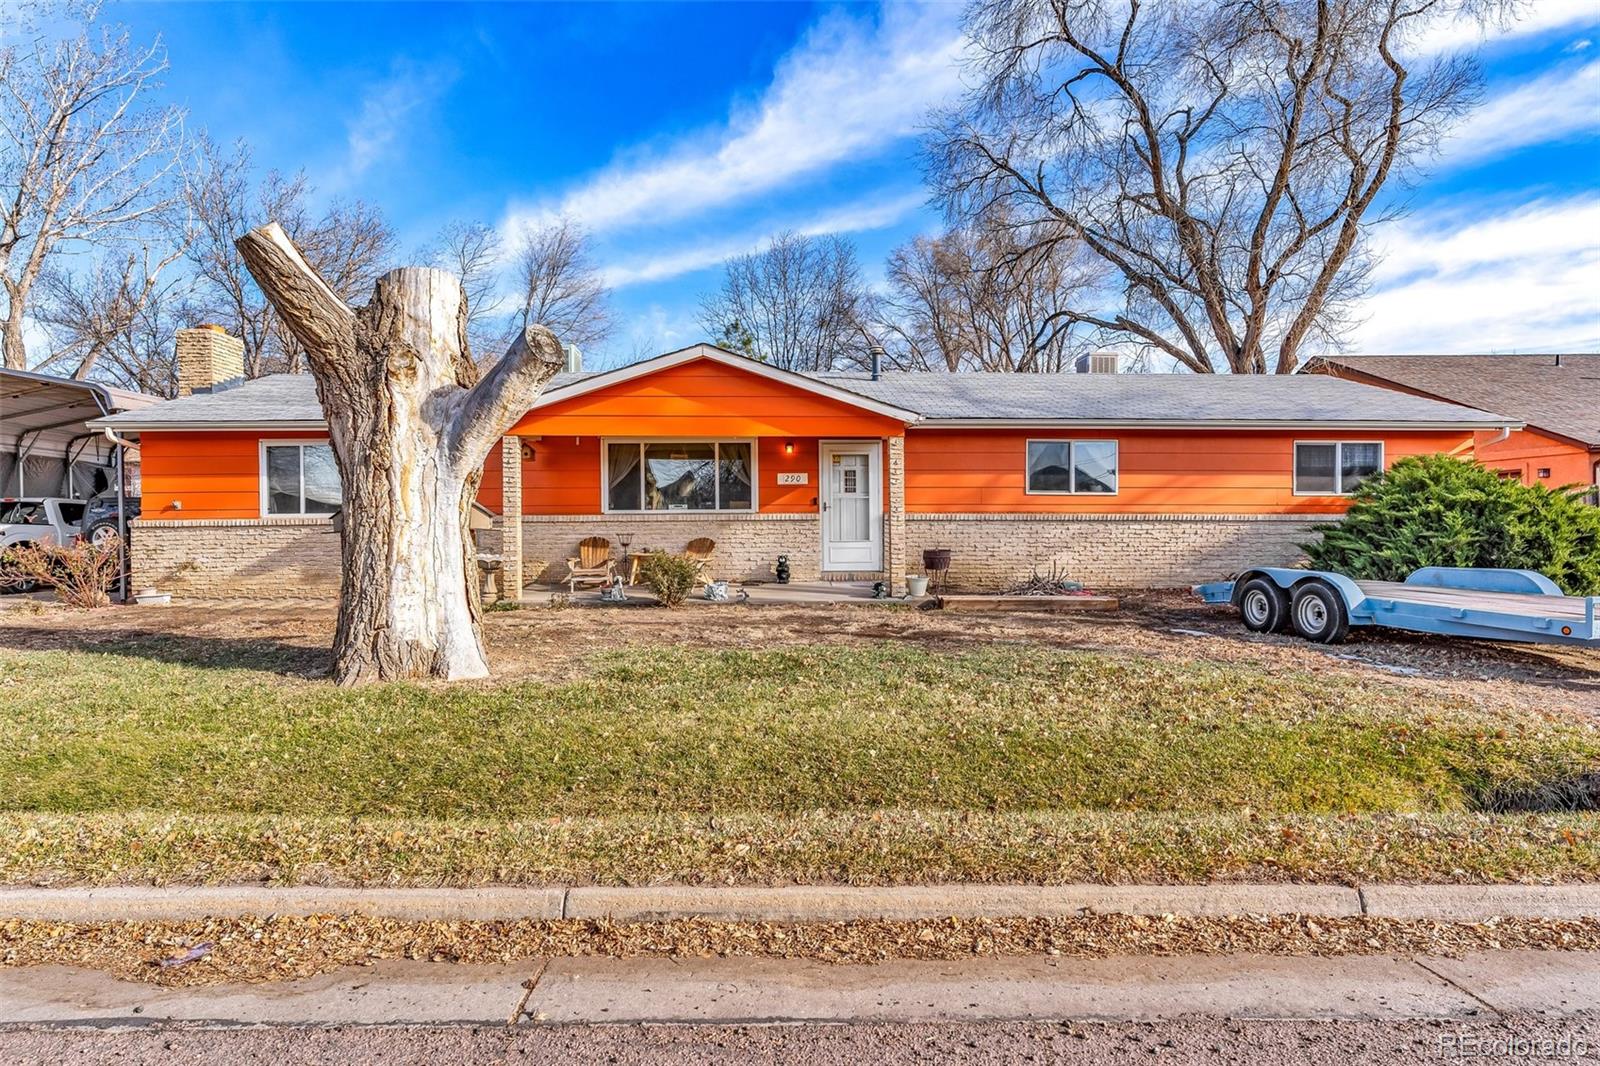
column 81, row 572
column 670, row 577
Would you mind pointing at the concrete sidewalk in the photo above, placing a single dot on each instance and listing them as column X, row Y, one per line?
column 747, row 991
column 805, row 903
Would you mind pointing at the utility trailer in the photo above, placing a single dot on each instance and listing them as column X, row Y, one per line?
column 1320, row 605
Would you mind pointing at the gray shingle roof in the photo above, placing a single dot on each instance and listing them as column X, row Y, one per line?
column 1563, row 398
column 1154, row 398
column 1024, row 399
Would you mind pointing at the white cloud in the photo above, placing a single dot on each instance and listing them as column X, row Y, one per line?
column 852, row 218
column 1560, row 104
column 850, row 89
column 387, row 108
column 1544, row 16
column 1517, row 280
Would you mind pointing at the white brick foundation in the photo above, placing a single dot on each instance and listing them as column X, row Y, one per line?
column 990, row 551
column 273, row 558
column 297, row 558
column 748, row 546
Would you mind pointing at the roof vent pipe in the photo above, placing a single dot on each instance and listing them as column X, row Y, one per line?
column 877, row 353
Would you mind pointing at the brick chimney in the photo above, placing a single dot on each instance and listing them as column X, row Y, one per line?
column 208, row 357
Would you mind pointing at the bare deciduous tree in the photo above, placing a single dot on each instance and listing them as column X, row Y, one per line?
column 1224, row 160
column 84, row 154
column 799, row 304
column 559, row 285
column 471, row 251
column 117, row 321
column 983, row 296
column 347, row 246
column 410, row 422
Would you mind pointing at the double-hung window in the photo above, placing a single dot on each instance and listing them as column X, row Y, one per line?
column 1074, row 467
column 680, row 476
column 1334, row 468
column 299, row 478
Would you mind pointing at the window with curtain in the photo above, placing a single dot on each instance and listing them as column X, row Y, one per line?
column 301, row 479
column 680, row 476
column 1334, row 468
column 1072, row 467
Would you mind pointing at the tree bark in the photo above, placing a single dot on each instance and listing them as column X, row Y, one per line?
column 410, row 424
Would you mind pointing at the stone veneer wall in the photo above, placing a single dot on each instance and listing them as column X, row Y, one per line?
column 271, row 558
column 748, row 546
column 990, row 551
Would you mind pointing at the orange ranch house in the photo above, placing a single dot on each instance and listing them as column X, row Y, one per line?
column 1120, row 480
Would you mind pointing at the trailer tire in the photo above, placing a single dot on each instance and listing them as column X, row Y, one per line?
column 1318, row 613
column 1263, row 606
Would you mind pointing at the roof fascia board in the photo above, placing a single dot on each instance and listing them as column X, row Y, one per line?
column 134, row 426
column 1213, row 423
column 728, row 359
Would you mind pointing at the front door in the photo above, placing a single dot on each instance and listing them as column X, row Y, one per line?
column 852, row 506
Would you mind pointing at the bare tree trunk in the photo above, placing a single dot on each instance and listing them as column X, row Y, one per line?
column 411, row 425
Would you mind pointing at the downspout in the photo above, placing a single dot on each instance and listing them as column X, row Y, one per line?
column 122, row 510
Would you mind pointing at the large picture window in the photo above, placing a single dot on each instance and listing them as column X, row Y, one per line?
column 1072, row 467
column 680, row 476
column 299, row 479
column 1334, row 468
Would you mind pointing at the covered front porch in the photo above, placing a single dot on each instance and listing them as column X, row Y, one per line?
column 756, row 594
column 704, row 446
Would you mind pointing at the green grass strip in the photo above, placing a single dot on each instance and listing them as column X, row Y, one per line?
column 881, row 847
column 780, row 732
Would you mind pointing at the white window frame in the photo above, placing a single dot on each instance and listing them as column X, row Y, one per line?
column 1338, row 464
column 261, row 467
column 1072, row 442
column 715, row 442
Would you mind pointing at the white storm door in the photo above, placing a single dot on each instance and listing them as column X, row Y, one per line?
column 852, row 507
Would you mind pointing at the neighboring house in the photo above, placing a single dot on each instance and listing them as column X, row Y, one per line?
column 1118, row 479
column 1557, row 396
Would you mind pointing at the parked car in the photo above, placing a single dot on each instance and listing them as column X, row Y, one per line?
column 100, row 517
column 35, row 520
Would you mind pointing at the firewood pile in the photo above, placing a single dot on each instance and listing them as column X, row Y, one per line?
column 1055, row 583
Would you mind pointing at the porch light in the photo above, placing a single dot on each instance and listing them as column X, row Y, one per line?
column 788, row 447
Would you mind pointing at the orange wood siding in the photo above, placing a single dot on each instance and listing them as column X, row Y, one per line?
column 1527, row 451
column 704, row 400
column 214, row 475
column 564, row 476
column 1159, row 472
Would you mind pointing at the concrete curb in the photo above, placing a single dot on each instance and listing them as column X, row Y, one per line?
column 176, row 903
column 839, row 903
column 800, row 903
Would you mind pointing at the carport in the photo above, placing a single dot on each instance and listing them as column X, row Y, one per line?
column 45, row 448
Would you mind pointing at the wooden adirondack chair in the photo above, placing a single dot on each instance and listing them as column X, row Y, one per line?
column 592, row 565
column 699, row 549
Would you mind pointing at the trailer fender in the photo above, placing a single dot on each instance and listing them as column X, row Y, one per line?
column 1485, row 579
column 1287, row 578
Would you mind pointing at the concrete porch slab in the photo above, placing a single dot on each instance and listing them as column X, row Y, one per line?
column 795, row 593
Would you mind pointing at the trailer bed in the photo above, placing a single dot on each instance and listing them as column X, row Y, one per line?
column 1486, row 603
column 1571, row 608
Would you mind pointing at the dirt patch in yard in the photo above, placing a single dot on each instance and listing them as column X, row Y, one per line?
column 555, row 644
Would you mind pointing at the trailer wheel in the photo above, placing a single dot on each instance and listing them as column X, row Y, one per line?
column 1318, row 613
column 1263, row 606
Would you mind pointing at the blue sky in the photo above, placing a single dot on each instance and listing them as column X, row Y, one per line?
column 682, row 134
